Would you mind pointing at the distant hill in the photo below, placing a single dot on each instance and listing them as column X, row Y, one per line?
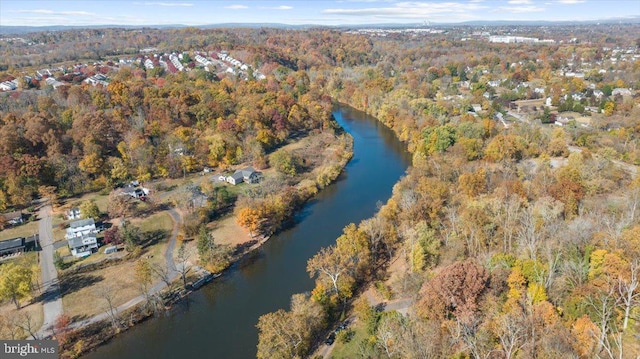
column 9, row 30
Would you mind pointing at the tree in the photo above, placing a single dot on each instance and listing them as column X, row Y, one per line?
column 119, row 205
column 113, row 236
column 629, row 290
column 130, row 236
column 144, row 276
column 16, row 282
column 183, row 260
column 89, row 209
column 61, row 328
column 286, row 162
column 289, row 334
column 249, row 218
column 106, row 293
column 456, row 289
column 334, row 265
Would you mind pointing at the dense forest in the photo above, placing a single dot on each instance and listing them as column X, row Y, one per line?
column 518, row 240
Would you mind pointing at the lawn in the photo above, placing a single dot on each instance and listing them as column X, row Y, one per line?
column 24, row 230
column 350, row 349
column 82, row 298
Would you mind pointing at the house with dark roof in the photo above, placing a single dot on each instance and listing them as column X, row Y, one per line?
column 83, row 245
column 250, row 175
column 14, row 218
column 235, row 178
column 12, row 246
column 247, row 174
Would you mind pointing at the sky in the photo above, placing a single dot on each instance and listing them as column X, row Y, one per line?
column 337, row 12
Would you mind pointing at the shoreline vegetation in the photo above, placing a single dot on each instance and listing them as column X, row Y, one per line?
column 79, row 341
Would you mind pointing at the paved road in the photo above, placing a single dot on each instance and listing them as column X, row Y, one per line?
column 50, row 286
column 168, row 254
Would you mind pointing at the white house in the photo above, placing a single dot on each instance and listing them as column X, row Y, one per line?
column 84, row 245
column 81, row 228
column 8, row 86
column 621, row 92
column 235, row 178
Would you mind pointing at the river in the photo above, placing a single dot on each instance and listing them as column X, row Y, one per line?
column 219, row 320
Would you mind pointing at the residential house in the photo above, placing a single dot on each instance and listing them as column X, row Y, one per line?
column 73, row 213
column 621, row 92
column 563, row 121
column 476, row 107
column 250, row 175
column 235, row 178
column 81, row 228
column 134, row 192
column 12, row 246
column 53, row 82
column 83, row 245
column 9, row 85
column 14, row 218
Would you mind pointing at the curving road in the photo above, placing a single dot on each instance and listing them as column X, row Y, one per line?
column 50, row 290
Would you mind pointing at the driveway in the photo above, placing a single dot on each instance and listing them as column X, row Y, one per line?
column 50, row 287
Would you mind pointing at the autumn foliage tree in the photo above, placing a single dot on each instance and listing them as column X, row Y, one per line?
column 456, row 290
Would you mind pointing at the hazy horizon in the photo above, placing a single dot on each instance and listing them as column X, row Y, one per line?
column 361, row 12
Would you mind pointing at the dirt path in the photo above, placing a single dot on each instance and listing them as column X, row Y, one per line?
column 52, row 306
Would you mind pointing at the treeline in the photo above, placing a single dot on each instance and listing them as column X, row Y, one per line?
column 513, row 247
column 83, row 138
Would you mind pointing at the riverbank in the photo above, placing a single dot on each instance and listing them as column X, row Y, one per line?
column 224, row 315
column 95, row 333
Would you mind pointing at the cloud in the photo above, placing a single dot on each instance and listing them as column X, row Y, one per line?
column 236, row 7
column 571, row 2
column 518, row 9
column 281, row 7
column 56, row 13
column 412, row 10
column 519, row 2
column 166, row 4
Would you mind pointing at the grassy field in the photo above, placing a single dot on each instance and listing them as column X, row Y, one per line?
column 24, row 230
column 350, row 349
column 82, row 297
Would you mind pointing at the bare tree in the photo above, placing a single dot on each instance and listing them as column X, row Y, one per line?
column 374, row 229
column 107, row 294
column 628, row 290
column 608, row 337
column 27, row 323
column 182, row 265
column 511, row 332
column 163, row 273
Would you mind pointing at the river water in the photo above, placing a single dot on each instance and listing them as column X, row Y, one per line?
column 219, row 320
